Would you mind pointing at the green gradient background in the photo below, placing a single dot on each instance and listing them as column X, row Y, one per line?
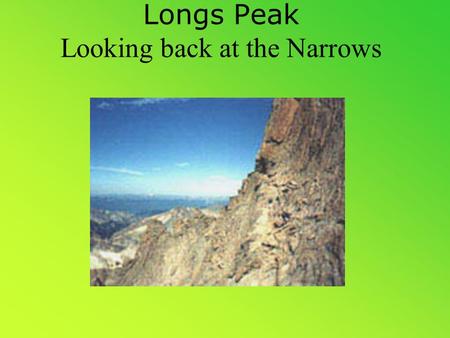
column 397, row 183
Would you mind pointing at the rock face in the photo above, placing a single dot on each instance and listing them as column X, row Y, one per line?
column 285, row 226
column 109, row 255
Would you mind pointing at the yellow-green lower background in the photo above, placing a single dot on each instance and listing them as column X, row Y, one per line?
column 397, row 170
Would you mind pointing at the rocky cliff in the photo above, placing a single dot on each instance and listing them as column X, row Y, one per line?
column 285, row 226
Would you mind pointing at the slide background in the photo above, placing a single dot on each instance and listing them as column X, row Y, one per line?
column 397, row 181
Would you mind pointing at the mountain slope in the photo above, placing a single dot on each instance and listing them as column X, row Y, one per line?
column 109, row 255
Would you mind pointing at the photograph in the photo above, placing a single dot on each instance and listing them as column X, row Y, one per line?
column 217, row 192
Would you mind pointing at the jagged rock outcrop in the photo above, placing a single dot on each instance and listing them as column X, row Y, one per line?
column 286, row 225
column 110, row 255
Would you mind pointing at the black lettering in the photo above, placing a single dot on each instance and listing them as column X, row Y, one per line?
column 290, row 14
column 166, row 47
column 147, row 16
column 146, row 57
column 132, row 50
column 376, row 50
column 201, row 19
column 86, row 50
column 240, row 14
column 361, row 49
column 258, row 13
column 322, row 47
column 180, row 15
column 298, row 49
column 170, row 16
column 347, row 50
column 332, row 49
column 312, row 50
column 100, row 50
column 109, row 48
column 65, row 49
column 217, row 14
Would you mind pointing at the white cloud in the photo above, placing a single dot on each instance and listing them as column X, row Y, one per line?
column 141, row 102
column 149, row 101
column 124, row 171
column 104, row 105
column 182, row 164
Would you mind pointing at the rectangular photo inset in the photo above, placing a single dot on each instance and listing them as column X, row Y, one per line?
column 217, row 192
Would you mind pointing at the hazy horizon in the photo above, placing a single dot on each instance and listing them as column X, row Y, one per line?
column 142, row 195
column 174, row 147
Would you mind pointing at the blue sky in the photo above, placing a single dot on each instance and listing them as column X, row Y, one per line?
column 194, row 147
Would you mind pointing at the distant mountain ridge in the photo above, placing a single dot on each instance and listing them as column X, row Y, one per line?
column 148, row 205
column 104, row 223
